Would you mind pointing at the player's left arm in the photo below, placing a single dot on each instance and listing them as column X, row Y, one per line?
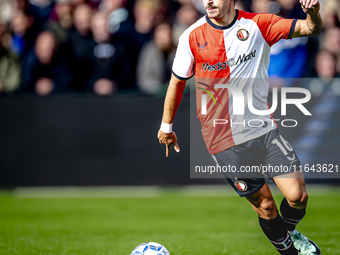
column 312, row 25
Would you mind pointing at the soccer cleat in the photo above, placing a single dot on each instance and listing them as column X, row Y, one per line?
column 303, row 245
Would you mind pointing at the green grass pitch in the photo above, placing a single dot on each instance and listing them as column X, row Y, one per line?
column 186, row 225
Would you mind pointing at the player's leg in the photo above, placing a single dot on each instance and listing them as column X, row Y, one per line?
column 280, row 154
column 270, row 221
column 293, row 206
column 293, row 209
column 254, row 188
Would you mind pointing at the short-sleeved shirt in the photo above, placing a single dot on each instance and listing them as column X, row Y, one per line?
column 237, row 55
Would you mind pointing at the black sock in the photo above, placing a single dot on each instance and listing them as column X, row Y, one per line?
column 290, row 215
column 277, row 233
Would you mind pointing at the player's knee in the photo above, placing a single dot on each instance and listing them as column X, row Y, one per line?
column 298, row 200
column 268, row 208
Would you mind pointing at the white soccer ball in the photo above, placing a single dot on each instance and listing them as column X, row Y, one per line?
column 150, row 248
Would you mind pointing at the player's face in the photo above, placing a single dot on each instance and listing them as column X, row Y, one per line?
column 217, row 9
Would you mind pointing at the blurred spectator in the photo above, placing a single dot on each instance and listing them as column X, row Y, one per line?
column 61, row 23
column 290, row 9
column 9, row 68
column 117, row 14
column 23, row 34
column 104, row 87
column 82, row 19
column 140, row 32
column 260, row 6
column 288, row 58
column 239, row 6
column 41, row 10
column 106, row 60
column 21, row 4
column 325, row 67
column 330, row 11
column 184, row 2
column 331, row 40
column 162, row 12
column 109, row 6
column 93, row 3
column 76, row 3
column 200, row 6
column 7, row 9
column 185, row 17
column 144, row 12
column 155, row 62
column 80, row 39
column 331, row 43
column 45, row 69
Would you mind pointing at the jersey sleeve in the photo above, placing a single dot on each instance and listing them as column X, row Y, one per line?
column 274, row 28
column 183, row 65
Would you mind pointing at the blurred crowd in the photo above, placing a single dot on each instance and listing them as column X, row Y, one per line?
column 115, row 46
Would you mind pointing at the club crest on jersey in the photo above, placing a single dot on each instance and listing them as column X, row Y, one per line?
column 241, row 186
column 242, row 34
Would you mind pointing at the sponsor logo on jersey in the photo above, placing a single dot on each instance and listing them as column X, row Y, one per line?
column 241, row 186
column 242, row 34
column 230, row 62
column 216, row 67
column 202, row 47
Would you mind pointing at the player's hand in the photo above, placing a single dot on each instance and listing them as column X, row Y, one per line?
column 310, row 7
column 168, row 139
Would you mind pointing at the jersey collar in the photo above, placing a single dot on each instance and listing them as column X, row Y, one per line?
column 222, row 27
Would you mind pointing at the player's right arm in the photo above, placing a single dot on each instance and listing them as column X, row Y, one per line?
column 182, row 69
column 173, row 99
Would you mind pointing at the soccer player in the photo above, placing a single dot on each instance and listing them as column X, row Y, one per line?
column 228, row 45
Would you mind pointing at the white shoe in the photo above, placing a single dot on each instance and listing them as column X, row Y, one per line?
column 304, row 245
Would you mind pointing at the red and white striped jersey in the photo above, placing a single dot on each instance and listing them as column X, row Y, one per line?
column 237, row 54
